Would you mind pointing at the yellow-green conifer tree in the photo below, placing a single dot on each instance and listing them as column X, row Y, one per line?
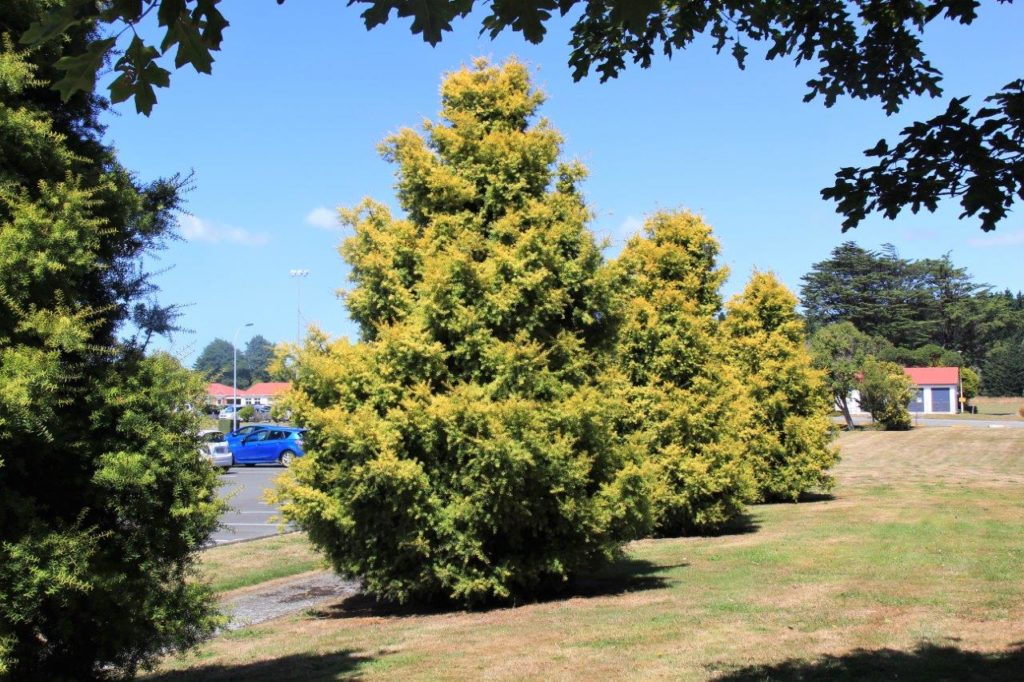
column 789, row 427
column 465, row 447
column 686, row 404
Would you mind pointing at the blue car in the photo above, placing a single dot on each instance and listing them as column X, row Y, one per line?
column 235, row 437
column 274, row 445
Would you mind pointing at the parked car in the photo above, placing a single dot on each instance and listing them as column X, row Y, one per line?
column 234, row 437
column 215, row 449
column 262, row 410
column 274, row 445
column 229, row 412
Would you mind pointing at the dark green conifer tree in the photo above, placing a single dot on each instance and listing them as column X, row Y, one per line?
column 103, row 500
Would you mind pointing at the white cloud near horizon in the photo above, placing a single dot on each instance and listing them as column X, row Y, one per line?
column 998, row 240
column 323, row 218
column 630, row 226
column 198, row 230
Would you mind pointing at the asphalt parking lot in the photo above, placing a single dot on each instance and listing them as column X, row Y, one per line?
column 249, row 516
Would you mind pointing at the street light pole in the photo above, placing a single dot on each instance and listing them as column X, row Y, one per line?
column 298, row 275
column 234, row 377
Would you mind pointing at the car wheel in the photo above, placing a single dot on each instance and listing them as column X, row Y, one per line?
column 286, row 458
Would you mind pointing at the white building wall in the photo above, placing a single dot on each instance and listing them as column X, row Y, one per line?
column 854, row 400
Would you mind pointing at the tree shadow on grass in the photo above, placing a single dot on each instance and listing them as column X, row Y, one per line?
column 312, row 667
column 804, row 498
column 622, row 576
column 815, row 497
column 927, row 662
column 742, row 524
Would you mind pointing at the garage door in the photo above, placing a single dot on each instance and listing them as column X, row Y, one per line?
column 940, row 400
column 917, row 402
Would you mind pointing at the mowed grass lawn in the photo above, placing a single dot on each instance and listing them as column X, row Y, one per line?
column 244, row 564
column 913, row 569
column 999, row 407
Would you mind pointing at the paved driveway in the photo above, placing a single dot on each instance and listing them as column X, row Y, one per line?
column 249, row 516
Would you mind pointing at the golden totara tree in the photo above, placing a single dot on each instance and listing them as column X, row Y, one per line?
column 466, row 448
column 685, row 401
column 789, row 429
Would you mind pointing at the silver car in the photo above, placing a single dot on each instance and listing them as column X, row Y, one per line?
column 229, row 412
column 215, row 449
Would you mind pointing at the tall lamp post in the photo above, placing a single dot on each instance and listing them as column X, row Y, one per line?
column 234, row 377
column 298, row 275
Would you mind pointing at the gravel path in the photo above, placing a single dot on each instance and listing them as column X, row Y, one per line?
column 286, row 598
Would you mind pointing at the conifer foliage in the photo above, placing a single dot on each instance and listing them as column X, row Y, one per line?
column 516, row 406
column 789, row 430
column 103, row 500
column 465, row 448
column 685, row 400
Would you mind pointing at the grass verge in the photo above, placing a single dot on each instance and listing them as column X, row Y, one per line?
column 242, row 564
column 913, row 569
column 998, row 408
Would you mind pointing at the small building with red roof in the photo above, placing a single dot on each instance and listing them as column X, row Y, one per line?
column 938, row 391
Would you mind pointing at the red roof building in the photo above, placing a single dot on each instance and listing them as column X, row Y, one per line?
column 263, row 393
column 928, row 376
column 938, row 391
column 219, row 394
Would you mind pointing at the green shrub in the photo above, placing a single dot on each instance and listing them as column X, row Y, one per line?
column 247, row 413
column 466, row 448
column 789, row 426
column 885, row 392
column 970, row 383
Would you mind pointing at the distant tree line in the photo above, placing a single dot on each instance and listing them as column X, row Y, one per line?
column 926, row 312
column 216, row 362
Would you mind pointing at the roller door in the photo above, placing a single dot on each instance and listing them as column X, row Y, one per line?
column 940, row 400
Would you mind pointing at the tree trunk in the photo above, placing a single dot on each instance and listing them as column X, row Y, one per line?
column 846, row 412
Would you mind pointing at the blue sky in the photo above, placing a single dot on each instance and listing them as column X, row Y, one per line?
column 286, row 129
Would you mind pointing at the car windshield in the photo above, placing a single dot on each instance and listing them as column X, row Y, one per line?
column 211, row 437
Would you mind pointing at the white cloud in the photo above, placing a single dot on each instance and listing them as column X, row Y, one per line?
column 1000, row 239
column 198, row 230
column 324, row 218
column 630, row 226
